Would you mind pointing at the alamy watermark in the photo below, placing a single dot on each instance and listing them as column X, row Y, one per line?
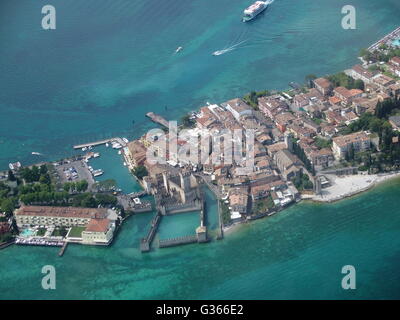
column 349, row 20
column 49, row 18
column 49, row 280
column 349, row 280
column 201, row 147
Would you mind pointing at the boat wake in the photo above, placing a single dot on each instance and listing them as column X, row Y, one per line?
column 233, row 47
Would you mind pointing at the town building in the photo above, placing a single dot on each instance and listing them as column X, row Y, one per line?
column 99, row 222
column 323, row 85
column 395, row 122
column 288, row 164
column 238, row 108
column 359, row 73
column 360, row 141
column 347, row 96
column 238, row 201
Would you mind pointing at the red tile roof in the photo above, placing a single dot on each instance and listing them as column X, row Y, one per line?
column 98, row 225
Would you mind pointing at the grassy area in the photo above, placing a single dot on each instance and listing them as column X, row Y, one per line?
column 323, row 143
column 76, row 232
column 60, row 232
column 225, row 213
column 41, row 232
column 263, row 205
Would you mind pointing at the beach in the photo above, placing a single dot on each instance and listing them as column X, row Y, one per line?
column 347, row 186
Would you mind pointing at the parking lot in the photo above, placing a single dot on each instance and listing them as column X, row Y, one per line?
column 73, row 171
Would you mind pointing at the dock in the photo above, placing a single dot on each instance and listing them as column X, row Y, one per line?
column 100, row 142
column 157, row 119
column 138, row 194
column 62, row 250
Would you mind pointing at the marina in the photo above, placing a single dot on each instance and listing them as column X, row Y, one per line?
column 38, row 242
column 115, row 141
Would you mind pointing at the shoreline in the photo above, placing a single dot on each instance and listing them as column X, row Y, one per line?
column 378, row 180
column 348, row 186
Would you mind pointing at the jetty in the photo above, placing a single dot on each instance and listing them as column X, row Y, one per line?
column 100, row 142
column 157, row 119
column 177, row 241
column 62, row 250
column 145, row 243
column 138, row 194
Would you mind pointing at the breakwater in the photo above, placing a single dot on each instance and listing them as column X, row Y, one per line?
column 177, row 241
column 145, row 243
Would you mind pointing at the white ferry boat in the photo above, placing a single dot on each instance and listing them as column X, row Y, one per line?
column 255, row 9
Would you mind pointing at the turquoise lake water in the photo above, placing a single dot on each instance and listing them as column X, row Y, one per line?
column 298, row 254
column 112, row 165
column 110, row 62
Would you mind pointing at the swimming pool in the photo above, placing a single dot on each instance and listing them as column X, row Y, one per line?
column 27, row 233
column 396, row 42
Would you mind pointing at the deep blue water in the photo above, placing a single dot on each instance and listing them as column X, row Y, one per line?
column 110, row 62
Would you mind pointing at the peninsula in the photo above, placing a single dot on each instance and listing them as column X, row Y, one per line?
column 333, row 137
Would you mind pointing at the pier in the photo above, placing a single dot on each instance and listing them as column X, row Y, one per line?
column 62, row 250
column 100, row 142
column 138, row 194
column 157, row 119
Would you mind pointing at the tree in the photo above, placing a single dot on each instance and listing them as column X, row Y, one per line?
column 7, row 206
column 187, row 121
column 45, row 179
column 359, row 84
column 309, row 80
column 82, row 186
column 43, row 169
column 140, row 172
column 11, row 176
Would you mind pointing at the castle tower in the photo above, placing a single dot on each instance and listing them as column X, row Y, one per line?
column 289, row 141
column 165, row 180
column 201, row 233
column 185, row 180
column 317, row 186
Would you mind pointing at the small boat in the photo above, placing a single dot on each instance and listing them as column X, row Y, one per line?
column 97, row 172
column 119, row 152
column 179, row 49
column 84, row 148
column 125, row 164
column 36, row 153
column 107, row 145
column 96, row 155
column 219, row 52
column 125, row 140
